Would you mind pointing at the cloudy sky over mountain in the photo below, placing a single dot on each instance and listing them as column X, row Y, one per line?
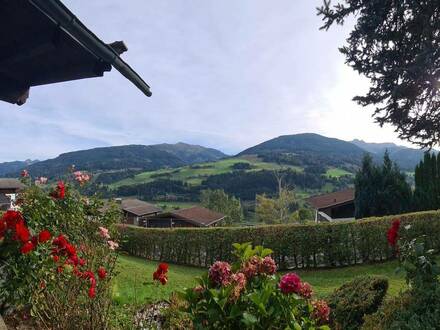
column 224, row 74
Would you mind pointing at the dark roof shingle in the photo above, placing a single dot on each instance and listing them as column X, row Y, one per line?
column 199, row 215
column 139, row 207
column 331, row 199
column 12, row 185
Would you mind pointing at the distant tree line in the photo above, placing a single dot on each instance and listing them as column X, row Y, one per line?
column 384, row 189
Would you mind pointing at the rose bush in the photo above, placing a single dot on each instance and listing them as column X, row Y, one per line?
column 54, row 262
column 249, row 295
column 417, row 307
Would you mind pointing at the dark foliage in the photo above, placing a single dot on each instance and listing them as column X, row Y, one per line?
column 354, row 299
column 241, row 166
column 246, row 185
column 381, row 190
column 396, row 45
column 129, row 157
column 307, row 149
column 109, row 177
column 427, row 183
column 160, row 189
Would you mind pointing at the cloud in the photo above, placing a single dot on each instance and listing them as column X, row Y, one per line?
column 225, row 74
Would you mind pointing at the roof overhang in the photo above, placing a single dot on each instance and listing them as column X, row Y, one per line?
column 42, row 42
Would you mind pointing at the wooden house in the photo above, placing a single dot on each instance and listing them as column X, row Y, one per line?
column 9, row 188
column 191, row 217
column 338, row 205
column 136, row 212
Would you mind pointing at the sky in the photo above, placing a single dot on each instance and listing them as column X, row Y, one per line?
column 224, row 74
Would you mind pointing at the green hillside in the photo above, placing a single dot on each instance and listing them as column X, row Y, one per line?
column 195, row 174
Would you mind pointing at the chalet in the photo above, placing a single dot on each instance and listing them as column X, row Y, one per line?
column 43, row 42
column 334, row 206
column 190, row 217
column 9, row 188
column 136, row 212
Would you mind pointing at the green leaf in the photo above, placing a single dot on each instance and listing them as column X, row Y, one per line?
column 249, row 319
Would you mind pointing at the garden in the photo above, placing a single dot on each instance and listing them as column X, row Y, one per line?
column 67, row 263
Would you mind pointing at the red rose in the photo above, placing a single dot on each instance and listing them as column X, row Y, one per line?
column 92, row 292
column 393, row 233
column 82, row 262
column 22, row 232
column 44, row 236
column 56, row 258
column 163, row 267
column 27, row 247
column 24, row 173
column 60, row 191
column 102, row 273
column 163, row 279
column 60, row 241
column 11, row 217
column 71, row 250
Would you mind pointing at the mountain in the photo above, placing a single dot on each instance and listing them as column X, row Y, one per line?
column 308, row 149
column 128, row 157
column 190, row 153
column 14, row 167
column 406, row 158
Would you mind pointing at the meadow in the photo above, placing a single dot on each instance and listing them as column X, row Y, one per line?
column 133, row 284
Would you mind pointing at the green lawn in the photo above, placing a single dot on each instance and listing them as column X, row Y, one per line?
column 133, row 284
column 195, row 174
column 337, row 172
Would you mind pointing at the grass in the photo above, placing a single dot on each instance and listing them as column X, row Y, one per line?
column 128, row 286
column 337, row 172
column 195, row 174
column 171, row 206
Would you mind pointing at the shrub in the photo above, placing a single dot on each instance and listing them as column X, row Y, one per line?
column 294, row 246
column 353, row 300
column 57, row 257
column 416, row 308
column 249, row 295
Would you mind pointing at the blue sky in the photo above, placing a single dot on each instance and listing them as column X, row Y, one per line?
column 224, row 74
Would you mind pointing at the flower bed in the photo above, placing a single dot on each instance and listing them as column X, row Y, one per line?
column 294, row 246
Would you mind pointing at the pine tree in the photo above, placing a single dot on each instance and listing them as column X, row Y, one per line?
column 381, row 190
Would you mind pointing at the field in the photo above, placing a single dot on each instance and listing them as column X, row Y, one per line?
column 337, row 172
column 195, row 174
column 133, row 284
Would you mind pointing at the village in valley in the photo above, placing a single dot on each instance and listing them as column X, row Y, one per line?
column 272, row 214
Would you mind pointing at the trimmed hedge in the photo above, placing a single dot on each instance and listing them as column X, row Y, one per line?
column 294, row 246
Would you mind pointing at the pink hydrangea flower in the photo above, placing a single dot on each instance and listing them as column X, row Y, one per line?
column 305, row 290
column 103, row 232
column 251, row 267
column 238, row 280
column 321, row 311
column 290, row 283
column 268, row 266
column 220, row 273
column 112, row 245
